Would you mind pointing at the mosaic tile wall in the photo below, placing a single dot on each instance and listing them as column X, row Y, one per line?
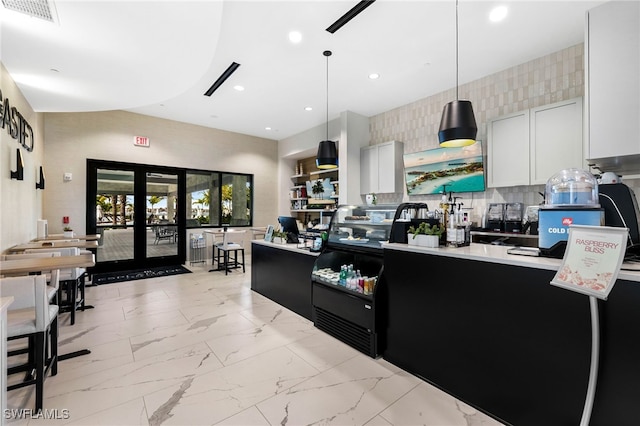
column 552, row 78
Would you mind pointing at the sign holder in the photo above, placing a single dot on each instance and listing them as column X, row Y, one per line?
column 590, row 266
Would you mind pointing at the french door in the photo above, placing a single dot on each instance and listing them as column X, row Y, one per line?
column 138, row 210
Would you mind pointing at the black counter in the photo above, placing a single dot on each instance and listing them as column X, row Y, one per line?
column 283, row 274
column 502, row 339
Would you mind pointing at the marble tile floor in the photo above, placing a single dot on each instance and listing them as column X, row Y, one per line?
column 203, row 349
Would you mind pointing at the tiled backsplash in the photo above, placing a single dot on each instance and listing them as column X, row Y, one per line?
column 549, row 79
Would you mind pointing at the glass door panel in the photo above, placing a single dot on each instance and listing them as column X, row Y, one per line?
column 161, row 214
column 115, row 215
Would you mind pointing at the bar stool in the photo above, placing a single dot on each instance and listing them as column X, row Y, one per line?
column 223, row 250
column 30, row 317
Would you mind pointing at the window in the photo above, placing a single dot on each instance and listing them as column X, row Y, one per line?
column 219, row 199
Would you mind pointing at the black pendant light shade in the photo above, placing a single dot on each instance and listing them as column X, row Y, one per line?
column 327, row 157
column 458, row 125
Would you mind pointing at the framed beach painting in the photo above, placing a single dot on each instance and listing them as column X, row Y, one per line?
column 441, row 170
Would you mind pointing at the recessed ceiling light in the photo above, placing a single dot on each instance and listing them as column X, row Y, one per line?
column 308, row 108
column 498, row 14
column 374, row 76
column 267, row 128
column 239, row 88
column 295, row 37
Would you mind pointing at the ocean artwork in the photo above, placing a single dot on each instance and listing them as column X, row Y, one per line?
column 441, row 170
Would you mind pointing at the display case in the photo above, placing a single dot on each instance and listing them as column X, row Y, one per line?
column 362, row 227
column 348, row 289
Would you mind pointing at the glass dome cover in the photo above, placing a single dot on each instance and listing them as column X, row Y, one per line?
column 572, row 188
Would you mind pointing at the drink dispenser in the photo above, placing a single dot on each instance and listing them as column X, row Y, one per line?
column 571, row 198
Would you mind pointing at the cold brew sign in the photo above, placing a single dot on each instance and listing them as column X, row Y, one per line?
column 15, row 124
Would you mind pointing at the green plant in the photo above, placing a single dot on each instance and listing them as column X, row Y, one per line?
column 318, row 187
column 67, row 229
column 425, row 228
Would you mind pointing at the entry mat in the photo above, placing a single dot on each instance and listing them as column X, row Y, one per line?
column 138, row 274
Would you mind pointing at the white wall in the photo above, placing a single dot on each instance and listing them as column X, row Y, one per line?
column 20, row 202
column 72, row 138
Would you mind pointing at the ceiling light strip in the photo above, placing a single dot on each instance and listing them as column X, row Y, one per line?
column 355, row 10
column 223, row 77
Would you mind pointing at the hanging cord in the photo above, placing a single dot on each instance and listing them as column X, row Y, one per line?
column 327, row 53
column 457, row 50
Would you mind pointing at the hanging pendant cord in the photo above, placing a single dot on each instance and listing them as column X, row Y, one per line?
column 327, row 53
column 456, row 50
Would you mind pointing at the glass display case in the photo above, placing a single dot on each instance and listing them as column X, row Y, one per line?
column 361, row 227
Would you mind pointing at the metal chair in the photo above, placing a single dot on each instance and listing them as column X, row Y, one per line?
column 33, row 318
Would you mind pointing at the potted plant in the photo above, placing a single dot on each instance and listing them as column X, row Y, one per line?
column 279, row 236
column 67, row 232
column 425, row 235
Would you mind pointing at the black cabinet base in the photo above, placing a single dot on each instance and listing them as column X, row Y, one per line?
column 353, row 335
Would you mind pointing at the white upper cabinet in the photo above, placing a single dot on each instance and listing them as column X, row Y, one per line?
column 612, row 57
column 508, row 150
column 556, row 139
column 381, row 168
column 528, row 147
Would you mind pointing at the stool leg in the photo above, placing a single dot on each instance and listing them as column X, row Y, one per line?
column 40, row 360
column 243, row 271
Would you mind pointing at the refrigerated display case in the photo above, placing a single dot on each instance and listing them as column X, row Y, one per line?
column 352, row 308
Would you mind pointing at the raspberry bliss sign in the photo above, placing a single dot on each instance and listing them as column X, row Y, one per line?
column 592, row 259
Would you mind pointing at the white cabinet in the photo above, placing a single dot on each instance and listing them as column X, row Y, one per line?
column 612, row 57
column 528, row 147
column 508, row 150
column 555, row 139
column 381, row 168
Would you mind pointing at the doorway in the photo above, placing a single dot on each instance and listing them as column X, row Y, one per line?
column 138, row 212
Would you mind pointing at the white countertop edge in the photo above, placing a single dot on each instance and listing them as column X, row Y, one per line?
column 290, row 247
column 496, row 254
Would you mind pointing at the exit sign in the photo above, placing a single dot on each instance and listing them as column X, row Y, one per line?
column 141, row 141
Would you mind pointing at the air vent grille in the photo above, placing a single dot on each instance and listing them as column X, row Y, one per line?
column 353, row 335
column 43, row 9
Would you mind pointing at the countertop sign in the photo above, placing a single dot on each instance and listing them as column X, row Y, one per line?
column 592, row 259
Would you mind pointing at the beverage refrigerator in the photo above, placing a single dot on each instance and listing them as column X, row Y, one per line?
column 348, row 286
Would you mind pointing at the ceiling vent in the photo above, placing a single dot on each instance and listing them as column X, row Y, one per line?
column 355, row 10
column 223, row 77
column 43, row 9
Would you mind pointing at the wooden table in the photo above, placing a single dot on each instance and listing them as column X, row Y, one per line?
column 54, row 244
column 39, row 264
column 54, row 237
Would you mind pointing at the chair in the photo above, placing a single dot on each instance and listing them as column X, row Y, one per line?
column 72, row 282
column 53, row 277
column 33, row 318
column 222, row 251
column 165, row 233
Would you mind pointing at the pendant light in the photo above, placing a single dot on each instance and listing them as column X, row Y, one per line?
column 458, row 124
column 327, row 157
